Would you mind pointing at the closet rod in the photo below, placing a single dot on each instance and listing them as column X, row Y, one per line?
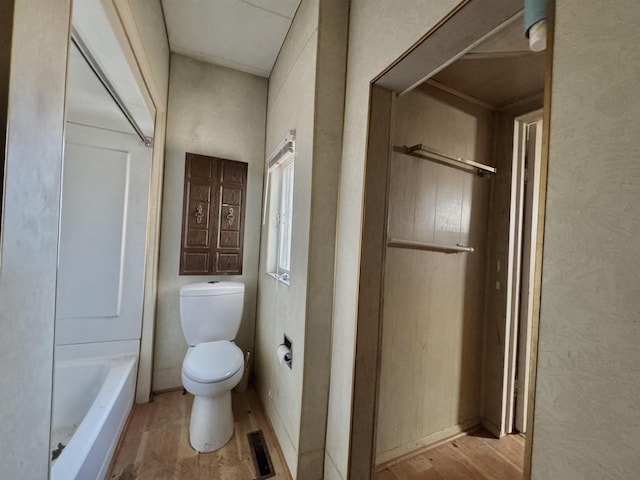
column 104, row 79
column 420, row 151
column 433, row 247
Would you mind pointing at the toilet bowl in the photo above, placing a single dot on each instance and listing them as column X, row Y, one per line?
column 210, row 314
column 209, row 372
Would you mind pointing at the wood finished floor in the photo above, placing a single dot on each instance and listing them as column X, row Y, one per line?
column 155, row 445
column 477, row 456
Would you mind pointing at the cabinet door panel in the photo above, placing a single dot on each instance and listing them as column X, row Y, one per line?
column 213, row 216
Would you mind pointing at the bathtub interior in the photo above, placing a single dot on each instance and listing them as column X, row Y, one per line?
column 76, row 386
column 92, row 400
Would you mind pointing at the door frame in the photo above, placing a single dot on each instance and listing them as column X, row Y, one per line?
column 516, row 259
column 423, row 60
column 126, row 20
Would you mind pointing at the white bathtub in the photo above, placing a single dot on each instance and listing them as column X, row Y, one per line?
column 92, row 399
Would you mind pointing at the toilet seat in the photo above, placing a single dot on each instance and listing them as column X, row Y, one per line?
column 213, row 362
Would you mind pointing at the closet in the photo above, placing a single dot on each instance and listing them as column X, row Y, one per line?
column 456, row 251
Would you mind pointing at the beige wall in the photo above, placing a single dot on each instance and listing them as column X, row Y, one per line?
column 379, row 32
column 306, row 94
column 430, row 378
column 282, row 309
column 30, row 234
column 327, row 153
column 587, row 379
column 149, row 19
column 219, row 112
column 587, row 424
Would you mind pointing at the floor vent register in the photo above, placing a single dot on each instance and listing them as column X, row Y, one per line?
column 260, row 455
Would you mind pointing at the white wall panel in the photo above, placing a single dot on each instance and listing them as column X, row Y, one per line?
column 91, row 232
column 103, row 235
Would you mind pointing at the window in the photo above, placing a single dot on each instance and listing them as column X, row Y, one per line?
column 279, row 194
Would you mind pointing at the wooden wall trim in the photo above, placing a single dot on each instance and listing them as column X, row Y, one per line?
column 145, row 364
column 466, row 26
column 371, row 288
column 6, row 31
column 537, row 287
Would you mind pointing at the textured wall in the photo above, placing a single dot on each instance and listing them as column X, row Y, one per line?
column 212, row 111
column 327, row 154
column 587, row 424
column 306, row 92
column 379, row 32
column 151, row 28
column 30, row 234
column 430, row 372
column 282, row 309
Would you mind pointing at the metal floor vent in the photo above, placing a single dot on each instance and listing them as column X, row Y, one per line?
column 260, row 455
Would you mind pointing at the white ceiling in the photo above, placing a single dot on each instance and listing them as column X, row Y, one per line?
column 245, row 35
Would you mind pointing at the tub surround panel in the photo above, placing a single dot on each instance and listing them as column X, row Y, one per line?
column 379, row 32
column 30, row 232
column 220, row 112
column 97, row 350
column 587, row 425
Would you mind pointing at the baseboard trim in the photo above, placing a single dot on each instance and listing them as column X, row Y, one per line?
column 403, row 452
column 164, row 390
column 491, row 428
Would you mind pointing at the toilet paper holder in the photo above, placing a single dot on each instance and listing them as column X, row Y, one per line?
column 287, row 351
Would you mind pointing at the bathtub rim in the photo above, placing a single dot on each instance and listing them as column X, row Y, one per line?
column 121, row 367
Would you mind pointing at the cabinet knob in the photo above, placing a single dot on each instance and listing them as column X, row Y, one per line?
column 199, row 213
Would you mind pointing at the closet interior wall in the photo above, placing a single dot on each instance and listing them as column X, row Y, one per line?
column 434, row 303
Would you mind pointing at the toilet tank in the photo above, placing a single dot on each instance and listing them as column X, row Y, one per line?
column 211, row 311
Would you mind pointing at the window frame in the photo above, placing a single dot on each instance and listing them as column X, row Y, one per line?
column 279, row 204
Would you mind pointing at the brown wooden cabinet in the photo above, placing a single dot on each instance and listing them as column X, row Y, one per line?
column 215, row 191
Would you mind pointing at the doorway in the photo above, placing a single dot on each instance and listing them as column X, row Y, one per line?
column 444, row 296
column 527, row 157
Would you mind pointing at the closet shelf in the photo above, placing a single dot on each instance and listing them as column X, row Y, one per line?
column 433, row 247
column 425, row 153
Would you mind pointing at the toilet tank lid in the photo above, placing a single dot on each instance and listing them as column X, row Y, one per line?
column 211, row 289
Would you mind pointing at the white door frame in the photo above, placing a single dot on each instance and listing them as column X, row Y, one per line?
column 516, row 261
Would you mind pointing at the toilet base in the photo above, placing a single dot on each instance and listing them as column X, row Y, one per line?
column 211, row 422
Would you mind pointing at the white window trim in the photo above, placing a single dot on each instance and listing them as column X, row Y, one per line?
column 282, row 158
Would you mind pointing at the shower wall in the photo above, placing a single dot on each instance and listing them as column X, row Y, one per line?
column 430, row 383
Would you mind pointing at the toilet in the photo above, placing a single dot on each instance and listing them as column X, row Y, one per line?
column 210, row 314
